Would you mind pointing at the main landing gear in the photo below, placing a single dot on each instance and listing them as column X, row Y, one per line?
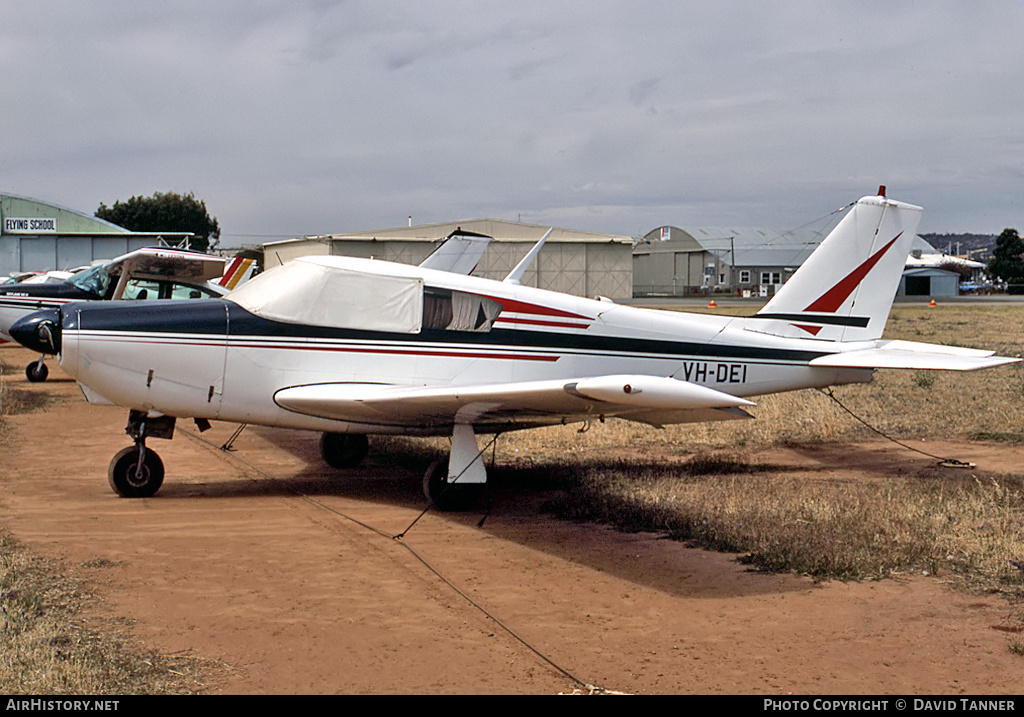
column 344, row 450
column 455, row 484
column 136, row 471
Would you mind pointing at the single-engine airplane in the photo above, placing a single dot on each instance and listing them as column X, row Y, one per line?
column 351, row 347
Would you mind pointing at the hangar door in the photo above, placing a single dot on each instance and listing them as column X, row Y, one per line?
column 919, row 286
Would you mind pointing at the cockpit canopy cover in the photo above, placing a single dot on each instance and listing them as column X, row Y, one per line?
column 315, row 291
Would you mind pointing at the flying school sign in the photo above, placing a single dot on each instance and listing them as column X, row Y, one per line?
column 30, row 225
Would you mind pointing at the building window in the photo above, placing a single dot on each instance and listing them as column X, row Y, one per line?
column 771, row 277
column 745, row 276
column 721, row 278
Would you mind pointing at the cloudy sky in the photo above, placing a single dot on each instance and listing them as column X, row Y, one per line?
column 290, row 118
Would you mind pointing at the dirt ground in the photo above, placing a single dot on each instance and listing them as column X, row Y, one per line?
column 259, row 559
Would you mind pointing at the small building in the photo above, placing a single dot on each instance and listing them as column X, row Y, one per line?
column 924, row 256
column 929, row 281
column 572, row 261
column 673, row 261
column 38, row 236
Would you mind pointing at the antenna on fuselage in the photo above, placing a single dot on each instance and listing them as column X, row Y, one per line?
column 516, row 274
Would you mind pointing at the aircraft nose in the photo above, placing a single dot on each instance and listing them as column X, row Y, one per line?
column 39, row 331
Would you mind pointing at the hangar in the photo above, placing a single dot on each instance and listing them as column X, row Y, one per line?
column 37, row 236
column 675, row 261
column 929, row 281
column 574, row 262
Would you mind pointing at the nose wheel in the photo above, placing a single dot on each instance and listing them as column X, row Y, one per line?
column 36, row 372
column 136, row 471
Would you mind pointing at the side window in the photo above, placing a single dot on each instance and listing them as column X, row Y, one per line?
column 141, row 289
column 187, row 291
column 437, row 308
column 457, row 310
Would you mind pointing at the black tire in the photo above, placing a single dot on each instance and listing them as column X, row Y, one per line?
column 449, row 497
column 36, row 372
column 127, row 481
column 344, row 450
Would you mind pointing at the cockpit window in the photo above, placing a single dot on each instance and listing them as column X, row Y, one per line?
column 95, row 280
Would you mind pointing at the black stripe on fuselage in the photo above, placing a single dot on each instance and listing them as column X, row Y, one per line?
column 206, row 318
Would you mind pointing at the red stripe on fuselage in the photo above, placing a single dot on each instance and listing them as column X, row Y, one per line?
column 521, row 307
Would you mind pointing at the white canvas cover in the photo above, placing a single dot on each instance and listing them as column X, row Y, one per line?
column 315, row 294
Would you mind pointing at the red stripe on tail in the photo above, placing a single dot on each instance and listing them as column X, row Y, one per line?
column 832, row 299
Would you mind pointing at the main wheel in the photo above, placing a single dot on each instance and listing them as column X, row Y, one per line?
column 36, row 372
column 129, row 480
column 344, row 450
column 446, row 496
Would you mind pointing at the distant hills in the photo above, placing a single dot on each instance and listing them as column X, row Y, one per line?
column 977, row 246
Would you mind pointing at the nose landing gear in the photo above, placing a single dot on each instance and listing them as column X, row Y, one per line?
column 136, row 471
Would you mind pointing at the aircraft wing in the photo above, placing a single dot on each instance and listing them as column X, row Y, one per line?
column 914, row 355
column 649, row 399
column 459, row 253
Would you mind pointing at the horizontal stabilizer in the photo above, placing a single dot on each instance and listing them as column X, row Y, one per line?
column 913, row 355
column 459, row 254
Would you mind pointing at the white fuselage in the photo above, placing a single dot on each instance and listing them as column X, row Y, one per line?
column 218, row 366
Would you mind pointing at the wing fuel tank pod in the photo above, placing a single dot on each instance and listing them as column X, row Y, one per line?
column 654, row 392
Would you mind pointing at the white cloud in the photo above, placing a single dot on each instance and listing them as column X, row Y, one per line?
column 292, row 118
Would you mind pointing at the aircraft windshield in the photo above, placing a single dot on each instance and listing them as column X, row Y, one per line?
column 95, row 280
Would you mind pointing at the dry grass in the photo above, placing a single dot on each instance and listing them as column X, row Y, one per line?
column 16, row 400
column 972, row 528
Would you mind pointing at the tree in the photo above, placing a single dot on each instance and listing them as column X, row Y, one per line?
column 1006, row 263
column 165, row 212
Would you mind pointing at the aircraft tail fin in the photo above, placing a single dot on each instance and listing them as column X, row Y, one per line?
column 845, row 289
column 237, row 272
column 516, row 274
